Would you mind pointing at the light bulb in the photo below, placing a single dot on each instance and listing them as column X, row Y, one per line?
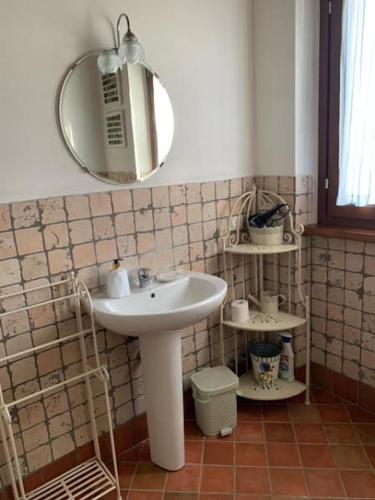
column 108, row 63
column 130, row 51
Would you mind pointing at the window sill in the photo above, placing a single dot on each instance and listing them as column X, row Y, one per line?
column 346, row 233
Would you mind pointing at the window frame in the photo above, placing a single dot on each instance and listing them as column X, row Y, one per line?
column 329, row 114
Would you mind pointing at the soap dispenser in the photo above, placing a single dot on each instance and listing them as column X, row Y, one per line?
column 117, row 281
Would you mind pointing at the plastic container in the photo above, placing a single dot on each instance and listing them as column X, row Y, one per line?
column 286, row 368
column 267, row 235
column 214, row 393
column 265, row 359
column 117, row 281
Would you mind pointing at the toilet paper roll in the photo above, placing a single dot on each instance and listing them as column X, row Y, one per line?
column 240, row 311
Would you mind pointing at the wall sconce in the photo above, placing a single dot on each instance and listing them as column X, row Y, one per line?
column 129, row 50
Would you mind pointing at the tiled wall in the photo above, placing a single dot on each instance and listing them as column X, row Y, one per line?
column 161, row 228
column 343, row 306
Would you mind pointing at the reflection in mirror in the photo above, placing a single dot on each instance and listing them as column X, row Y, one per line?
column 118, row 126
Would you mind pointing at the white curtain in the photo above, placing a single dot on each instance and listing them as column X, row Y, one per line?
column 357, row 105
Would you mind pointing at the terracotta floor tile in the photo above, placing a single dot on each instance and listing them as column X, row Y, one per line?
column 229, row 437
column 180, row 496
column 325, row 397
column 130, row 455
column 217, row 479
column 125, row 473
column 350, row 457
column 144, row 452
column 359, row 484
column 276, row 413
column 300, row 399
column 249, row 431
column 186, row 479
column 215, row 496
column 192, row 431
column 341, row 434
column 256, row 497
column 283, row 455
column 316, row 455
column 279, row 433
column 366, row 433
column 324, row 483
column 370, row 452
column 218, row 453
column 252, row 481
column 249, row 412
column 250, row 454
column 288, row 482
column 143, row 495
column 309, row 433
column 333, row 413
column 360, row 416
column 148, row 477
column 306, row 414
column 193, row 452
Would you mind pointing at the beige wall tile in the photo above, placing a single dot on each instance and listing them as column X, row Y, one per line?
column 100, row 204
column 122, row 201
column 160, row 197
column 7, row 245
column 77, row 207
column 142, row 199
column 60, row 261
column 144, row 221
column 55, row 236
column 34, row 266
column 84, row 255
column 177, row 195
column 106, row 250
column 80, row 231
column 103, row 228
column 52, row 210
column 5, row 222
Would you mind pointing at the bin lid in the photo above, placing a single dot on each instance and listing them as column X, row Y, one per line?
column 215, row 380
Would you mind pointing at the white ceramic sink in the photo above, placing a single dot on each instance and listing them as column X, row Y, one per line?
column 162, row 307
column 156, row 315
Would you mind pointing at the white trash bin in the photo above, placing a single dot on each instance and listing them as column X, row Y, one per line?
column 214, row 393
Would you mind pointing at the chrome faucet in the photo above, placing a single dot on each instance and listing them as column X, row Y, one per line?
column 145, row 277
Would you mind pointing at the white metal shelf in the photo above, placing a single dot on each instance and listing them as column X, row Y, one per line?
column 267, row 322
column 251, row 249
column 88, row 481
column 243, row 258
column 249, row 389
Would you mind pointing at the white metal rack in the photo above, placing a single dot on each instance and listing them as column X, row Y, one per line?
column 236, row 244
column 91, row 479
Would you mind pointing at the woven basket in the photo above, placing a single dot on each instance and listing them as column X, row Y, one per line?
column 267, row 235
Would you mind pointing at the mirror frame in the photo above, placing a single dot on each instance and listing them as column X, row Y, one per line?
column 61, row 89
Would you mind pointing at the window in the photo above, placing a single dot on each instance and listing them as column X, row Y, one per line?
column 347, row 113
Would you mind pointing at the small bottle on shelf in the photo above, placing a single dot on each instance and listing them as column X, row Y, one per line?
column 286, row 369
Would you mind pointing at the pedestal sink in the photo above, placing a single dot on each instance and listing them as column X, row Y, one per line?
column 156, row 315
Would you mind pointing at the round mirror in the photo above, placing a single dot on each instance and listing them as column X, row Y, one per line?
column 119, row 127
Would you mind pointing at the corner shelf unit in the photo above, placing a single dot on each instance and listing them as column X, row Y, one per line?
column 89, row 480
column 239, row 251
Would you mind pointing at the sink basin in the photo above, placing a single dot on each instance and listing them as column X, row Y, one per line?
column 164, row 306
column 157, row 315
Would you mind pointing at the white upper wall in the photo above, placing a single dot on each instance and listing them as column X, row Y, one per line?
column 274, row 48
column 286, row 84
column 307, row 87
column 200, row 49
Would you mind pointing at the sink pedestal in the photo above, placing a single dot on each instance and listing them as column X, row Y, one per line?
column 162, row 374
